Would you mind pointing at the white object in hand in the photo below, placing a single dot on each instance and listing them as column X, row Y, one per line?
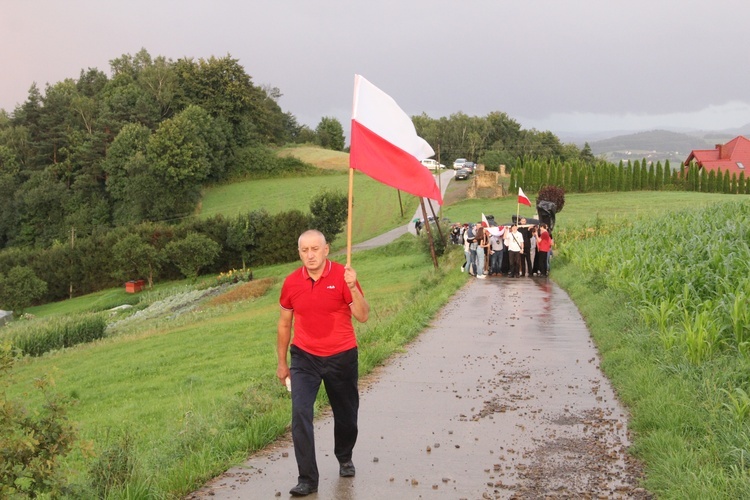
column 289, row 384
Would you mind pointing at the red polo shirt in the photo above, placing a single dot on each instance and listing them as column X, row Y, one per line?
column 322, row 317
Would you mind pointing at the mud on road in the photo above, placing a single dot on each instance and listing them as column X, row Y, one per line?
column 501, row 397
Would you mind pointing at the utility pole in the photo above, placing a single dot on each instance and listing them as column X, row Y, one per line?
column 72, row 247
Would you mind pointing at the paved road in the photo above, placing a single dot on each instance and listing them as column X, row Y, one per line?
column 500, row 397
column 385, row 238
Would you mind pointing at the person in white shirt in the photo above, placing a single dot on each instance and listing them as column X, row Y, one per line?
column 514, row 242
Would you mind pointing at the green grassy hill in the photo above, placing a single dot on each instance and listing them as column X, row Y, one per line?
column 377, row 208
column 321, row 158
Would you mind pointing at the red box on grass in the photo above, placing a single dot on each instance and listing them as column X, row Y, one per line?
column 134, row 286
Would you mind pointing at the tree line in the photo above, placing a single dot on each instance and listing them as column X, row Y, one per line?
column 107, row 151
column 601, row 176
column 493, row 140
column 149, row 250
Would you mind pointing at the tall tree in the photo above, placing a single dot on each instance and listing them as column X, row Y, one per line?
column 178, row 156
column 130, row 180
column 330, row 133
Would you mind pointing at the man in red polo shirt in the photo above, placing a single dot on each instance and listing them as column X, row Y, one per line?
column 320, row 299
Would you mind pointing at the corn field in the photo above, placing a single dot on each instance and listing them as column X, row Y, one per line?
column 689, row 273
column 36, row 338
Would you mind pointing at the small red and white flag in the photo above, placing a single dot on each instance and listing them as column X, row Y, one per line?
column 385, row 144
column 522, row 198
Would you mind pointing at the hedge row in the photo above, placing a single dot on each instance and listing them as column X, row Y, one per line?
column 91, row 263
column 602, row 176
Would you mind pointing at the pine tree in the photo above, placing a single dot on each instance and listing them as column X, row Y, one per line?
column 712, row 181
column 582, row 179
column 637, row 175
column 725, row 186
column 571, row 178
column 651, row 177
column 555, row 174
column 658, row 177
column 627, row 184
column 704, row 181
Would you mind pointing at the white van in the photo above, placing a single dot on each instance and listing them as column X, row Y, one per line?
column 432, row 164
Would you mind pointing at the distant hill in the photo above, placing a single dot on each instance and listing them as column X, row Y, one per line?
column 658, row 145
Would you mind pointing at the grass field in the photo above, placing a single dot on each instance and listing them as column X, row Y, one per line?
column 185, row 397
column 590, row 209
column 376, row 206
column 195, row 394
column 321, row 158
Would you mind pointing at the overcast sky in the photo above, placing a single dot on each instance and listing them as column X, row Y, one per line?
column 565, row 66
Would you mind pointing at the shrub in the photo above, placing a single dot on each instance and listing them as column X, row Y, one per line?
column 440, row 243
column 554, row 194
column 234, row 276
column 192, row 253
column 262, row 161
column 329, row 211
column 20, row 288
column 32, row 442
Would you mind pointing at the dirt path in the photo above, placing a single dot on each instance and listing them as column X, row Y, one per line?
column 501, row 397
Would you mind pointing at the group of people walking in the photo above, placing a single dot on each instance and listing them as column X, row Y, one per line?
column 515, row 251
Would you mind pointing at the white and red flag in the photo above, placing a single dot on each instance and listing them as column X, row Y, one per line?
column 522, row 198
column 485, row 223
column 385, row 144
column 493, row 230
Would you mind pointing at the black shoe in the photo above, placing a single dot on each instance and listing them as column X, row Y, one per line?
column 346, row 469
column 303, row 489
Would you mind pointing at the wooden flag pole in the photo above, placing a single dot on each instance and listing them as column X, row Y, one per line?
column 349, row 219
column 429, row 234
column 434, row 216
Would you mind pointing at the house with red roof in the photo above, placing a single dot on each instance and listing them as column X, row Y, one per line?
column 733, row 156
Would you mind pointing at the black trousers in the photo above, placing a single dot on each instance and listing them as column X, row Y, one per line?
column 525, row 264
column 542, row 260
column 340, row 374
column 515, row 262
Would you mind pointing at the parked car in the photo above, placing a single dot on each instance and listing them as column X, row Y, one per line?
column 470, row 165
column 459, row 163
column 462, row 174
column 432, row 164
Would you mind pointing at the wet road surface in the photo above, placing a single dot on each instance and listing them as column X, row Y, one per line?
column 500, row 397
